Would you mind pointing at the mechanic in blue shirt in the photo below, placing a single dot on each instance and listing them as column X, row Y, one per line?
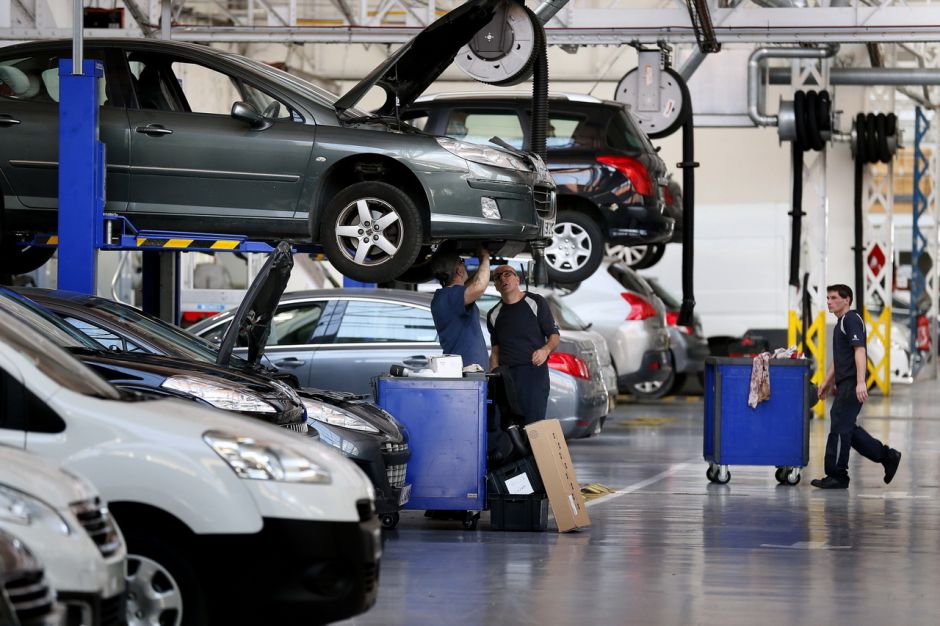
column 846, row 378
column 523, row 334
column 454, row 308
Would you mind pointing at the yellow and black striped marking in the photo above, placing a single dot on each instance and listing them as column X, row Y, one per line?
column 183, row 244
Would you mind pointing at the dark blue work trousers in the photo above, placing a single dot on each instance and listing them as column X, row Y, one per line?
column 844, row 433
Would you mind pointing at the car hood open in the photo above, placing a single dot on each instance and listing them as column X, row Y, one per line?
column 418, row 63
column 254, row 314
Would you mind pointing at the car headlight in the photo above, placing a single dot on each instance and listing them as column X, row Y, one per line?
column 482, row 154
column 219, row 395
column 262, row 460
column 327, row 414
column 20, row 508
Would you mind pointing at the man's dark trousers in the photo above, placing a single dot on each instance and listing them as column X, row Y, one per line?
column 845, row 433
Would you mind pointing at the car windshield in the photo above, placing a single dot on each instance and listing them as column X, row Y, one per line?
column 59, row 331
column 566, row 318
column 672, row 304
column 171, row 340
column 628, row 279
column 624, row 133
column 52, row 359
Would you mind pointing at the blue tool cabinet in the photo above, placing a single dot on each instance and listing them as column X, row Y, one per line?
column 776, row 433
column 446, row 423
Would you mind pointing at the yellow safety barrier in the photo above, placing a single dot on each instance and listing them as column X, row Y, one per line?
column 814, row 344
column 880, row 373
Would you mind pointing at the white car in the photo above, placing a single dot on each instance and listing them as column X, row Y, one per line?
column 26, row 597
column 227, row 519
column 622, row 307
column 62, row 519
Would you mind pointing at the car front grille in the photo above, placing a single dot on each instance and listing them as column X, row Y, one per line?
column 297, row 428
column 544, row 196
column 96, row 520
column 31, row 597
column 395, row 473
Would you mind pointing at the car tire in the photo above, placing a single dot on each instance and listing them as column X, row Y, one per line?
column 395, row 236
column 576, row 250
column 160, row 578
column 638, row 257
column 16, row 259
column 653, row 390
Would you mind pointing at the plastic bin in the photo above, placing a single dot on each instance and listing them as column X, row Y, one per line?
column 446, row 422
column 519, row 512
column 776, row 433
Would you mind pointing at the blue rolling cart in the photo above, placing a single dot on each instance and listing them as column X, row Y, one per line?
column 776, row 433
column 446, row 423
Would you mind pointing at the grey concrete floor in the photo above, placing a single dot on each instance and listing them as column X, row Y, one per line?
column 670, row 548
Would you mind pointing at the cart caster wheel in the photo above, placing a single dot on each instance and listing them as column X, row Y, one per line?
column 779, row 475
column 793, row 477
column 470, row 522
column 722, row 476
column 389, row 520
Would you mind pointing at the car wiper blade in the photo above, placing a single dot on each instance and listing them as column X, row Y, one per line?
column 389, row 120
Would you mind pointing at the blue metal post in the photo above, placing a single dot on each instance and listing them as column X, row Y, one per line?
column 349, row 282
column 81, row 176
column 919, row 247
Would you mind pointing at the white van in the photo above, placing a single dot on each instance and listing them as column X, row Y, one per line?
column 227, row 520
column 62, row 519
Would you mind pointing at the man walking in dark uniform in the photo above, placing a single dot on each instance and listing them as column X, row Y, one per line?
column 523, row 334
column 454, row 309
column 846, row 378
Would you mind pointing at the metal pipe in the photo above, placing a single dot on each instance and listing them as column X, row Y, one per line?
column 753, row 75
column 548, row 9
column 78, row 33
column 868, row 76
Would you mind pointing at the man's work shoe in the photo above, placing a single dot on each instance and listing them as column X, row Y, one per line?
column 830, row 482
column 891, row 463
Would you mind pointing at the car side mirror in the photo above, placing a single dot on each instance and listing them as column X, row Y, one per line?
column 245, row 112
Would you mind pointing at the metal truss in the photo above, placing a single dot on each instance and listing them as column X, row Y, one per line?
column 924, row 248
column 581, row 23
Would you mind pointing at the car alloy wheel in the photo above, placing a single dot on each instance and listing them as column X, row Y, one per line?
column 576, row 249
column 372, row 232
column 153, row 595
column 638, row 257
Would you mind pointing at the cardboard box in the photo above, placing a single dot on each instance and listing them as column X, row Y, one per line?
column 558, row 475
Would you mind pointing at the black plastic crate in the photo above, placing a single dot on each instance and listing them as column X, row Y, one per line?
column 523, row 512
column 496, row 479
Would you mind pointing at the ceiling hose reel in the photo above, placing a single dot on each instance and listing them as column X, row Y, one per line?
column 874, row 140
column 806, row 121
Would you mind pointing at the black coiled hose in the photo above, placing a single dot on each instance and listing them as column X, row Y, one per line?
column 812, row 113
column 873, row 144
column 539, row 90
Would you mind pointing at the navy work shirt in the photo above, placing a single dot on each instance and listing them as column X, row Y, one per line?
column 458, row 326
column 520, row 329
column 848, row 334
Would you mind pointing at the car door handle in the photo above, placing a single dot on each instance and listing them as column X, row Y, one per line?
column 6, row 120
column 153, row 130
column 290, row 362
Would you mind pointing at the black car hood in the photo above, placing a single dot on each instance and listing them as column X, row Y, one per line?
column 418, row 63
column 254, row 314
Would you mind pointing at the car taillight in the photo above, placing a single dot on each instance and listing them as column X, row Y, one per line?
column 672, row 318
column 640, row 308
column 667, row 195
column 632, row 169
column 569, row 364
column 191, row 317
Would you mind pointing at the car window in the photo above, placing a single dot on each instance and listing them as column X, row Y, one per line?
column 153, row 84
column 671, row 302
column 104, row 336
column 21, row 409
column 214, row 334
column 36, row 79
column 624, row 134
column 266, row 103
column 369, row 321
column 566, row 318
column 296, row 325
column 481, row 126
column 566, row 132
